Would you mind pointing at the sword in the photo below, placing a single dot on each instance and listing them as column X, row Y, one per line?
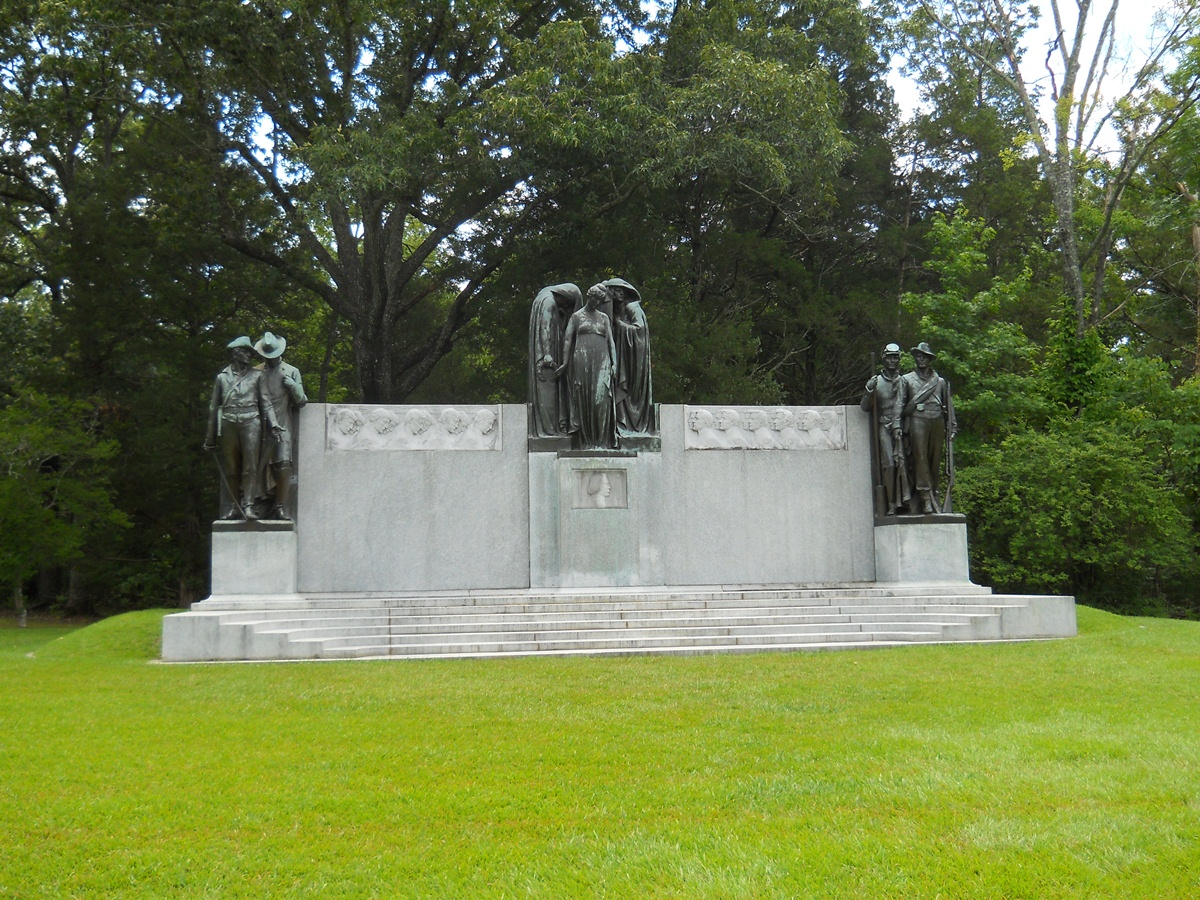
column 228, row 486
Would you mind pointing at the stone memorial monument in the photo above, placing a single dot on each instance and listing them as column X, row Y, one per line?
column 588, row 519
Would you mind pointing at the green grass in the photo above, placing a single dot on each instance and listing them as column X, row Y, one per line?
column 1057, row 769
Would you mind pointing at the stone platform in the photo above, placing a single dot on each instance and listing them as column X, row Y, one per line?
column 609, row 622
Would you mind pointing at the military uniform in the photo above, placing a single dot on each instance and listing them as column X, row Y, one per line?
column 925, row 412
column 236, row 412
column 285, row 395
column 881, row 393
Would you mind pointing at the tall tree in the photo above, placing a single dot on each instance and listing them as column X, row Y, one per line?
column 1082, row 115
column 385, row 132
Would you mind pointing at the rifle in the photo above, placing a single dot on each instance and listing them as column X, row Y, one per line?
column 951, row 424
column 902, row 469
column 876, row 464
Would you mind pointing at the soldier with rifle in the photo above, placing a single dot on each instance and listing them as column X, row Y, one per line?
column 879, row 399
column 924, row 416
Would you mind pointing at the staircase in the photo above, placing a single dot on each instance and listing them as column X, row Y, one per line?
column 608, row 621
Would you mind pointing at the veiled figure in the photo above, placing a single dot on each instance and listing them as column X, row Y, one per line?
column 548, row 399
column 590, row 363
column 635, row 400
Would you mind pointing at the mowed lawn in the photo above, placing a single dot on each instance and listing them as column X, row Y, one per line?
column 1058, row 769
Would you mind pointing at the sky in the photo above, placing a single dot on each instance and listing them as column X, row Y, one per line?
column 1135, row 30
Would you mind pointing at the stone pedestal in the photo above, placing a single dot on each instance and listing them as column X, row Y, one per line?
column 922, row 548
column 253, row 558
column 593, row 519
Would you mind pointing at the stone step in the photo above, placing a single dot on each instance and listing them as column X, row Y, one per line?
column 585, row 645
column 620, row 596
column 542, row 635
column 305, row 628
column 610, row 608
column 616, row 622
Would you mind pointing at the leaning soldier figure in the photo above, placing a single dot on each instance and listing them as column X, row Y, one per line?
column 880, row 396
column 285, row 393
column 236, row 414
column 925, row 414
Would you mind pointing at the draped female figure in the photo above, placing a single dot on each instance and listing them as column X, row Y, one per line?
column 590, row 364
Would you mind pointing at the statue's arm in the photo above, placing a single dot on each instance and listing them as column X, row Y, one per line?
column 901, row 398
column 568, row 345
column 543, row 344
column 295, row 387
column 265, row 408
column 868, row 393
column 214, row 410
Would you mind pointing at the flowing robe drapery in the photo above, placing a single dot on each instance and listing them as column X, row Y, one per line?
column 548, row 396
column 591, row 380
column 635, row 406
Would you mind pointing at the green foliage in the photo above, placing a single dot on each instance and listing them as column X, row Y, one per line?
column 970, row 323
column 53, row 483
column 1080, row 507
column 1078, row 464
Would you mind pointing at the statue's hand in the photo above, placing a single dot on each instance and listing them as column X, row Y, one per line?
column 277, row 430
column 209, row 445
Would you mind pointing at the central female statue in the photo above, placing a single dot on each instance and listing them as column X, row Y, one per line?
column 590, row 363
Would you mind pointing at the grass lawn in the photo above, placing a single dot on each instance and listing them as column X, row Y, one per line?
column 1058, row 769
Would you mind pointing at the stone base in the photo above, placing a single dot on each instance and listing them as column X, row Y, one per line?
column 922, row 549
column 253, row 558
column 593, row 519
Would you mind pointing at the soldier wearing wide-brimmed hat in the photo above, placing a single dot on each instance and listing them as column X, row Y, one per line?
column 285, row 392
column 236, row 413
column 924, row 413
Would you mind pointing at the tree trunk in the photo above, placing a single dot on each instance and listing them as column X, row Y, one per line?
column 18, row 595
column 1192, row 199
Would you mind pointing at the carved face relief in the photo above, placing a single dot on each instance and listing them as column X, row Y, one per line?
column 485, row 421
column 347, row 421
column 755, row 419
column 699, row 419
column 383, row 421
column 418, row 421
column 808, row 420
column 780, row 419
column 726, row 419
column 454, row 421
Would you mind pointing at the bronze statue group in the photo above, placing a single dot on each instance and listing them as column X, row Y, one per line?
column 589, row 365
column 251, row 423
column 913, row 417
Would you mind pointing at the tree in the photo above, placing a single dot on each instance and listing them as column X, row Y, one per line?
column 53, row 490
column 391, row 139
column 1068, row 146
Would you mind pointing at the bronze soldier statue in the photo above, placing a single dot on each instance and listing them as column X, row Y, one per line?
column 236, row 413
column 285, row 393
column 923, row 411
column 879, row 399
